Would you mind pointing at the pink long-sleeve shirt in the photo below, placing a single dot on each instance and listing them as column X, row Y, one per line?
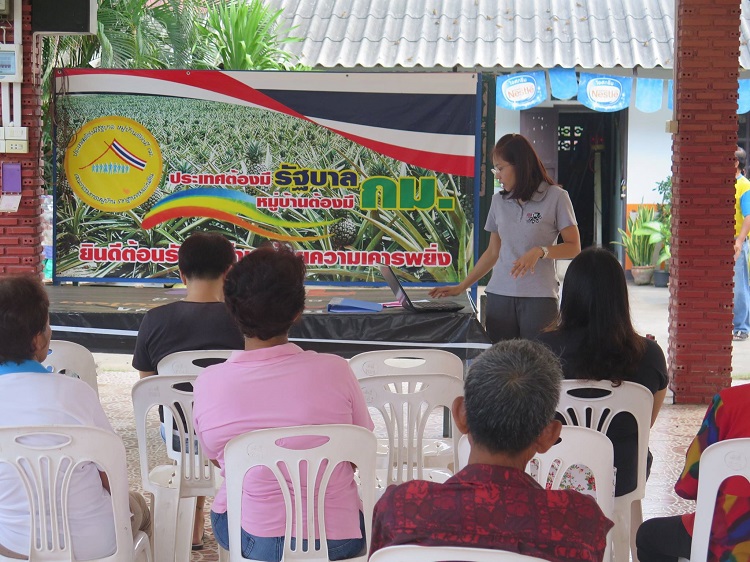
column 280, row 386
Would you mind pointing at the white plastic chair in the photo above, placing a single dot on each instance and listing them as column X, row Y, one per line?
column 346, row 443
column 415, row 553
column 44, row 467
column 175, row 486
column 578, row 445
column 406, row 402
column 72, row 357
column 407, row 362
column 717, row 463
column 185, row 362
column 597, row 413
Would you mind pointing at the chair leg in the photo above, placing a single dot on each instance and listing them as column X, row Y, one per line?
column 142, row 547
column 636, row 519
column 166, row 508
column 621, row 531
column 184, row 534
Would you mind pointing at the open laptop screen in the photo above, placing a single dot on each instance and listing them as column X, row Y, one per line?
column 395, row 286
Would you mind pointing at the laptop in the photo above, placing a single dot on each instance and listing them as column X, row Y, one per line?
column 405, row 301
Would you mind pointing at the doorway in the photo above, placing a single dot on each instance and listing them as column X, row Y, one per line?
column 585, row 152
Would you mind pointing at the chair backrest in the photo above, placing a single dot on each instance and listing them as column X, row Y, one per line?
column 406, row 402
column 191, row 362
column 197, row 472
column 718, row 462
column 577, row 446
column 406, row 362
column 415, row 553
column 597, row 413
column 585, row 448
column 44, row 468
column 72, row 357
column 292, row 469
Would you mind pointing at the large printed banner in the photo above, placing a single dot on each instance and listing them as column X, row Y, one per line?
column 350, row 169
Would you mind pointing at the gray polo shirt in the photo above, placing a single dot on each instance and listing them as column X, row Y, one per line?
column 522, row 226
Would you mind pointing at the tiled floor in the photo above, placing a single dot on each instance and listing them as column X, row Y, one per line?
column 670, row 437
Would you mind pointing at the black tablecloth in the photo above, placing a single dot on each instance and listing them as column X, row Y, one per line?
column 106, row 319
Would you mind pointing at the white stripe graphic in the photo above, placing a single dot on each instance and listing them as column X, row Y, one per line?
column 458, row 145
column 374, row 83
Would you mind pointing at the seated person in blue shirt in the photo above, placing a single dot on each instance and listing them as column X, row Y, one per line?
column 30, row 395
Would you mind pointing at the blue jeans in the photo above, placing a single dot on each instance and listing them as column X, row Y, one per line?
column 176, row 440
column 270, row 549
column 741, row 319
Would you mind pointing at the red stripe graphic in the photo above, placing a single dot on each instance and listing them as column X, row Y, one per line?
column 224, row 84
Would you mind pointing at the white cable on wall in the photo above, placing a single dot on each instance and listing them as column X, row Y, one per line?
column 18, row 40
column 16, row 104
column 5, row 94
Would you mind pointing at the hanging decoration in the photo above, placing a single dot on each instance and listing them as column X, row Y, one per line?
column 604, row 93
column 522, row 90
column 648, row 94
column 563, row 82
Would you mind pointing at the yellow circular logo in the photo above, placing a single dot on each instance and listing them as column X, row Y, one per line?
column 113, row 163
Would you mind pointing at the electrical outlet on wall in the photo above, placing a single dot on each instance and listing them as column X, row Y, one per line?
column 16, row 146
column 4, row 7
column 16, row 133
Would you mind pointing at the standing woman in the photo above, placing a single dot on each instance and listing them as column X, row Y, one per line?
column 524, row 222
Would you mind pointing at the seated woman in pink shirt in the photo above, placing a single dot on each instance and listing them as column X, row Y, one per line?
column 274, row 383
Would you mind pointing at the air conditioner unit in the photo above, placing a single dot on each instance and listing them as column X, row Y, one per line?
column 63, row 17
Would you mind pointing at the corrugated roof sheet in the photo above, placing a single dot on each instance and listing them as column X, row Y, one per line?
column 485, row 33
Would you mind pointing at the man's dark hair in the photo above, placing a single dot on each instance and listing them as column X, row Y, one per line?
column 265, row 291
column 205, row 255
column 741, row 157
column 511, row 394
column 24, row 314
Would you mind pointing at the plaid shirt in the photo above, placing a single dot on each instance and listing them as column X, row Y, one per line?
column 488, row 506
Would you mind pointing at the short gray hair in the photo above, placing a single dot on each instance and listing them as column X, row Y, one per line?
column 511, row 394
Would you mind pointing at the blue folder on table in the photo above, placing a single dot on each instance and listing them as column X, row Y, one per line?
column 339, row 304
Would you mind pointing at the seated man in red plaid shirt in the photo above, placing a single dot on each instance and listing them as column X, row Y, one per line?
column 508, row 411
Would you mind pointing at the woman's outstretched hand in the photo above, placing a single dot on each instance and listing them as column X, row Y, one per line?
column 526, row 263
column 439, row 292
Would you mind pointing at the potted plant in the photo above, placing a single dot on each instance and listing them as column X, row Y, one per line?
column 638, row 246
column 660, row 231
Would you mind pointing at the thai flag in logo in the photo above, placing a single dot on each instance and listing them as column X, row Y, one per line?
column 127, row 156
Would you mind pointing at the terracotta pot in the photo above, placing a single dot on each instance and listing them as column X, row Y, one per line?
column 642, row 274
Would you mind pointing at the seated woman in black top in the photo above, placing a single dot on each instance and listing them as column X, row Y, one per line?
column 595, row 340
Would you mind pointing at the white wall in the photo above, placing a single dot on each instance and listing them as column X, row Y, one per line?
column 506, row 121
column 649, row 154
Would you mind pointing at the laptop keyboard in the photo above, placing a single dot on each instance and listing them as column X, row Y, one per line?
column 434, row 305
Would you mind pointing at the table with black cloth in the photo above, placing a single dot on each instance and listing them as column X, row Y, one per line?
column 106, row 319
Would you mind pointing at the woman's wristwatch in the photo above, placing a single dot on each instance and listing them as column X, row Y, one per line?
column 545, row 252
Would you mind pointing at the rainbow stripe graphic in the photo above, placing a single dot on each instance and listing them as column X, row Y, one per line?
column 229, row 206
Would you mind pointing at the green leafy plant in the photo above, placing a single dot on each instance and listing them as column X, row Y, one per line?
column 638, row 245
column 248, row 36
column 658, row 232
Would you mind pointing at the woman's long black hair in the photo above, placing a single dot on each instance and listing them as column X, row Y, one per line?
column 595, row 300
